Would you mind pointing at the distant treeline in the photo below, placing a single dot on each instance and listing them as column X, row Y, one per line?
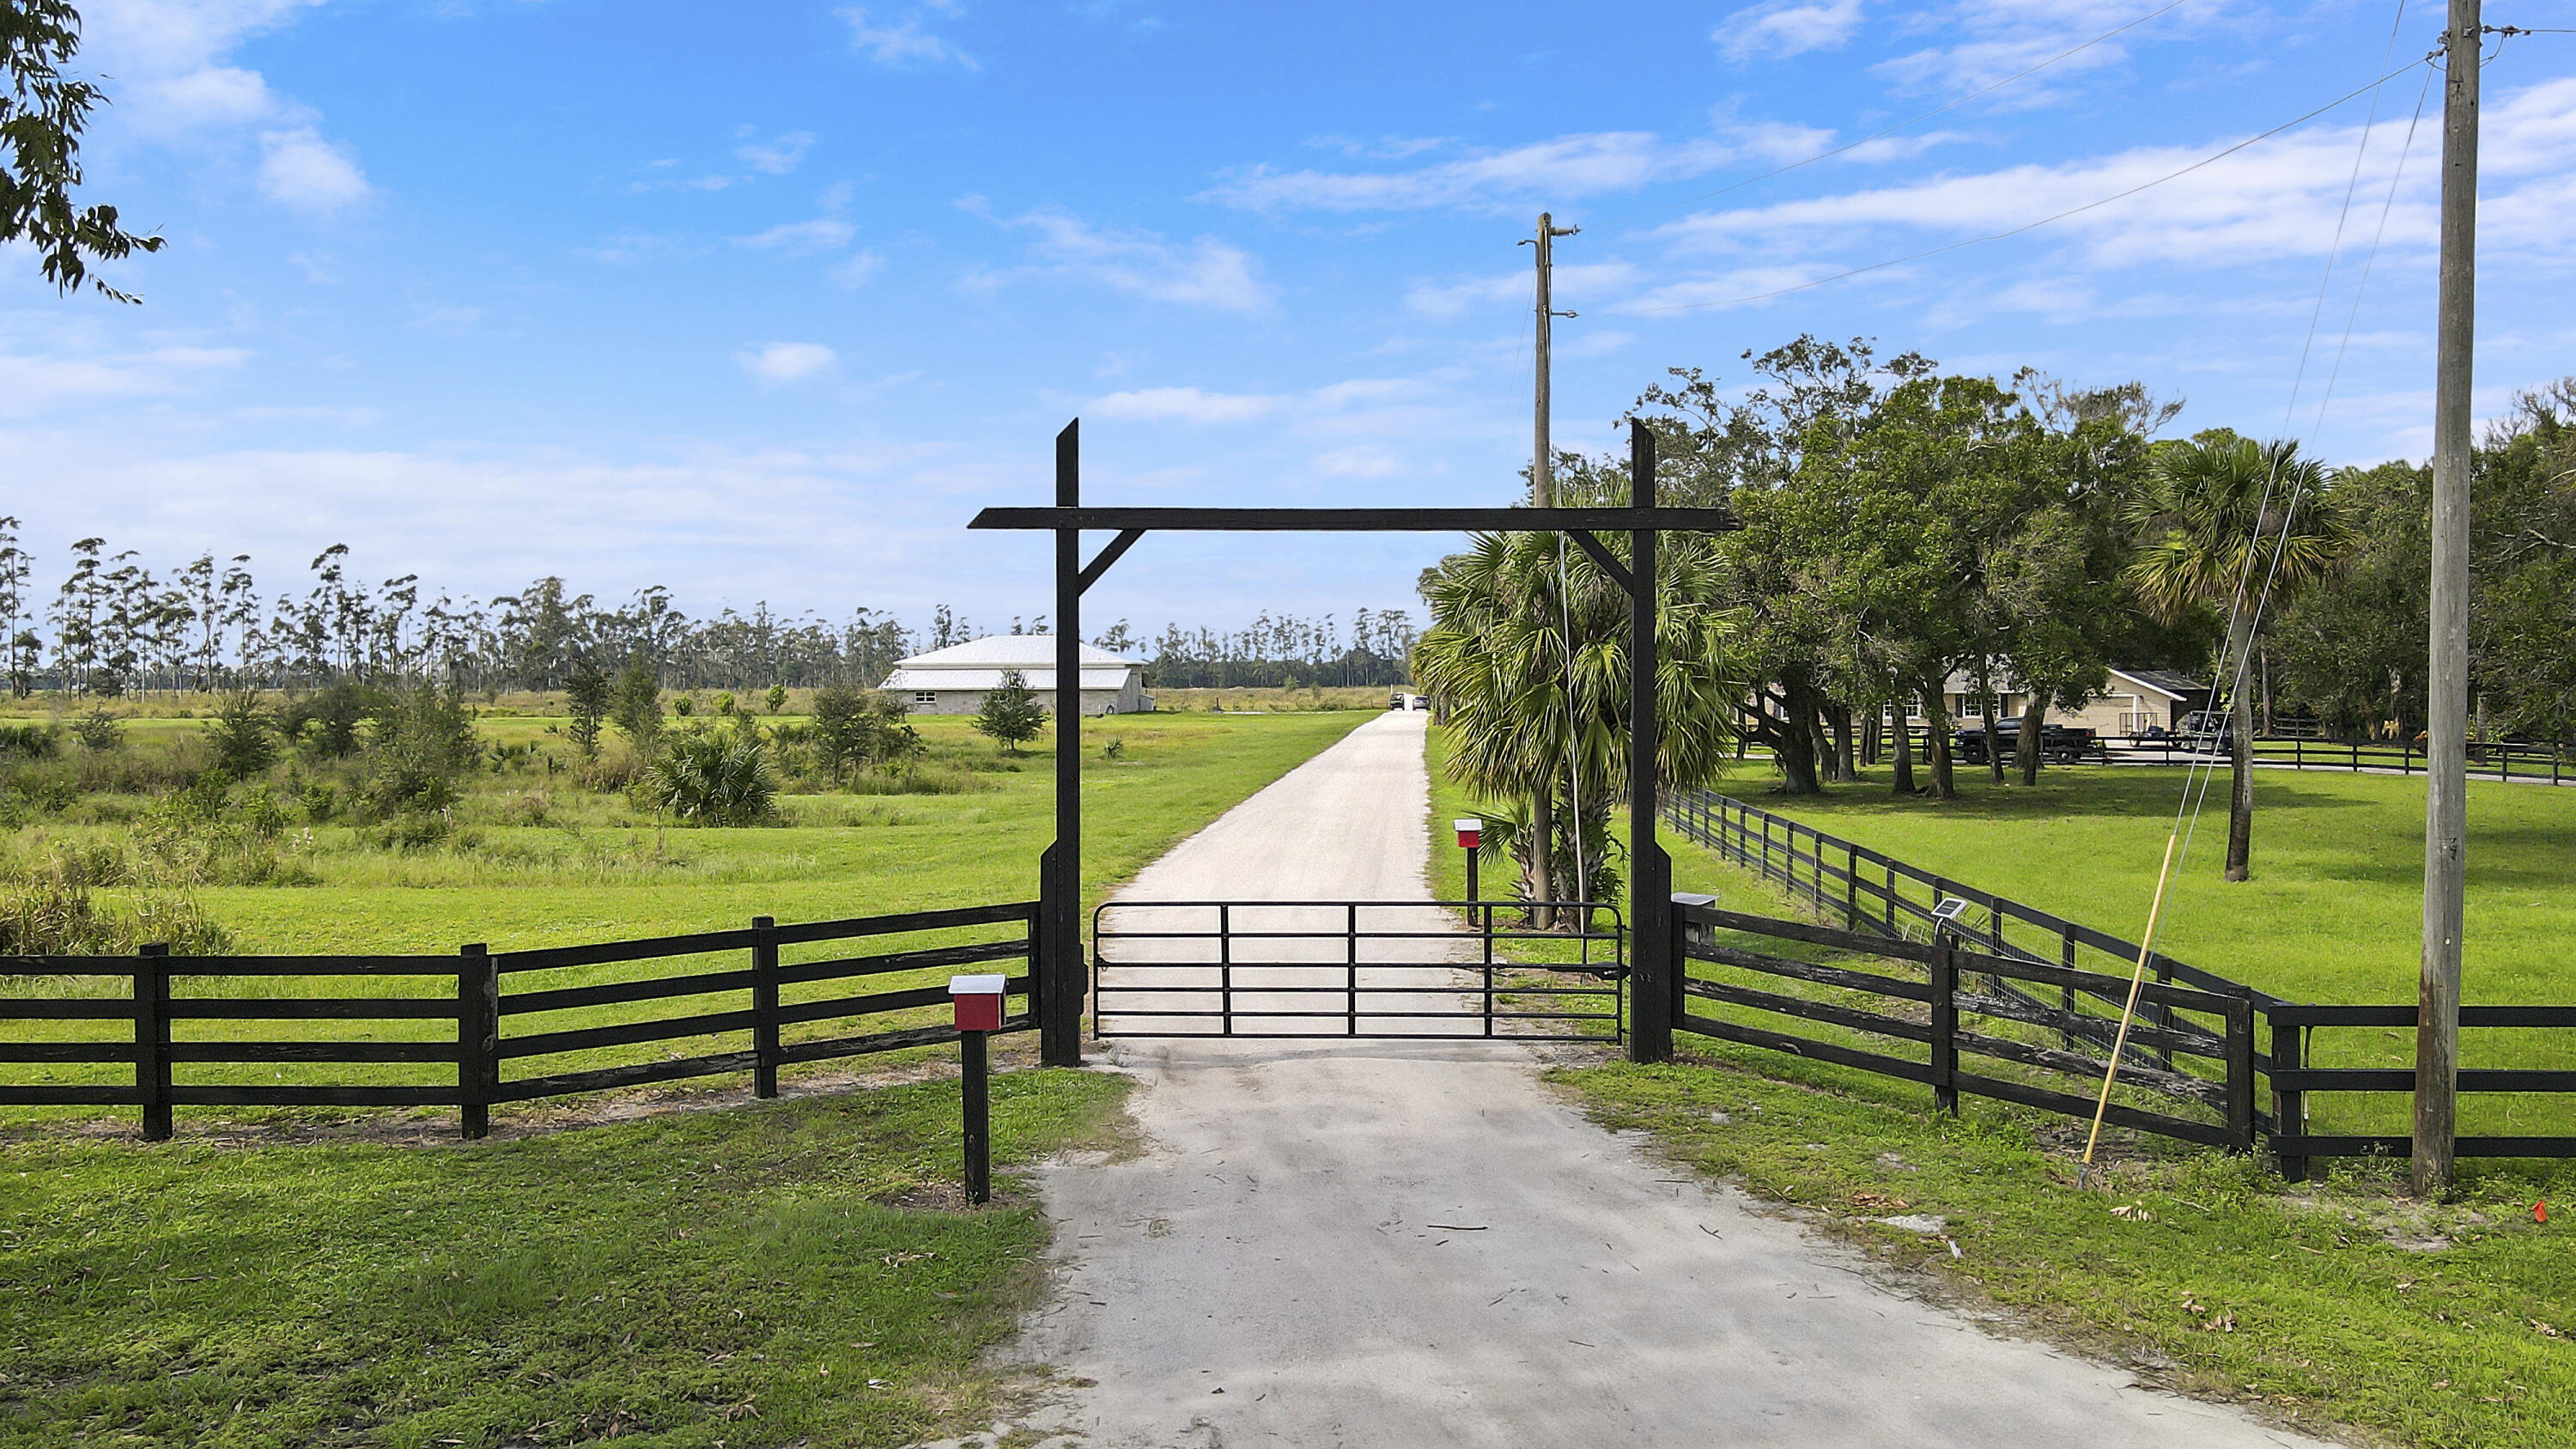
column 114, row 626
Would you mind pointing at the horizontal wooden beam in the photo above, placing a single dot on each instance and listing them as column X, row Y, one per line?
column 1362, row 520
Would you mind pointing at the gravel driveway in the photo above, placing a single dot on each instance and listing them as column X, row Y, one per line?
column 1408, row 1244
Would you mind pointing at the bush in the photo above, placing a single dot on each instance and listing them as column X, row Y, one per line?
column 636, row 705
column 54, row 915
column 421, row 745
column 861, row 726
column 331, row 724
column 99, row 732
column 714, row 779
column 28, row 742
column 243, row 736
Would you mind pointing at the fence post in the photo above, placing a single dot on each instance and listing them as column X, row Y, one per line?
column 1851, row 885
column 152, row 1039
column 1945, row 1024
column 2240, row 1074
column 478, row 1039
column 2163, row 1014
column 1225, row 967
column 2289, row 1106
column 764, row 1007
column 1891, row 896
column 2066, row 958
column 1489, row 971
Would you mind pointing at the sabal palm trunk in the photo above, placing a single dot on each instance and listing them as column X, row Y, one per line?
column 1541, row 875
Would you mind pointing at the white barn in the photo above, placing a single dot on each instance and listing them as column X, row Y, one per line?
column 954, row 680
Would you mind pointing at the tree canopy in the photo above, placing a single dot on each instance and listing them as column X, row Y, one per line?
column 43, row 110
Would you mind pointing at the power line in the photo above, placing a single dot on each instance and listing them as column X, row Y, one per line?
column 1927, row 115
column 2047, row 220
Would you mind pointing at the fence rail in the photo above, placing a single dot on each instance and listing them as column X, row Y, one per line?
column 1943, row 996
column 1886, row 903
column 472, row 1008
column 2495, row 761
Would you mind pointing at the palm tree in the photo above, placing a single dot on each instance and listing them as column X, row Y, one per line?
column 2234, row 526
column 1528, row 647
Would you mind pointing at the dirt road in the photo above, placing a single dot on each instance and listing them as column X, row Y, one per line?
column 1416, row 1244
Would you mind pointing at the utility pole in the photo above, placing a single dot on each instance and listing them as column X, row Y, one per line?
column 1542, row 453
column 2446, row 823
column 1543, row 495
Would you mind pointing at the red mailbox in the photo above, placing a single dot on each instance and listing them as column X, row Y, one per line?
column 1471, row 832
column 978, row 1001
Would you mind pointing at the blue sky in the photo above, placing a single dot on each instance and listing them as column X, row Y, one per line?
column 762, row 301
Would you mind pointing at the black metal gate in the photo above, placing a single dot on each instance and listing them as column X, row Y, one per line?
column 1358, row 969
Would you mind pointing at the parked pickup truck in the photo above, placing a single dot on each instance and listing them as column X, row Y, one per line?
column 2058, row 744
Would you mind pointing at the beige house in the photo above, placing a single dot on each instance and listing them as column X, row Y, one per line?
column 954, row 680
column 2131, row 702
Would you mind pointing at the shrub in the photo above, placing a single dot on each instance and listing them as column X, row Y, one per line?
column 243, row 736
column 331, row 724
column 776, row 698
column 724, row 703
column 421, row 745
column 855, row 726
column 714, row 779
column 28, row 742
column 99, row 732
column 319, row 801
column 54, row 915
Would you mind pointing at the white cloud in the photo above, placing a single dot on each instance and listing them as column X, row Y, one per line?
column 33, row 385
column 1787, row 27
column 822, row 234
column 783, row 362
column 858, row 269
column 777, row 157
column 1563, row 168
column 1184, row 405
column 174, row 85
column 1202, row 273
column 901, row 43
column 302, row 170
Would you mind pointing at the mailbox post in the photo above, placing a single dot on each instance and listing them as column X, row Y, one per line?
column 977, row 1001
column 1471, row 834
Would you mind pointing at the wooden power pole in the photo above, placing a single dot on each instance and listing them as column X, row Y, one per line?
column 1542, row 454
column 2446, row 700
column 1542, row 881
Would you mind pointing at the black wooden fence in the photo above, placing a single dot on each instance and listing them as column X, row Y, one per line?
column 2498, row 760
column 1891, row 908
column 399, row 997
column 1927, row 1011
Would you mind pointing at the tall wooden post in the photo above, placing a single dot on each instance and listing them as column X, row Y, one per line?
column 1650, row 872
column 2446, row 694
column 1060, row 993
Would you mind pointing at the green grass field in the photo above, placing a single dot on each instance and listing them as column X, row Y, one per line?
column 678, row 1268
column 797, row 1272
column 2334, row 909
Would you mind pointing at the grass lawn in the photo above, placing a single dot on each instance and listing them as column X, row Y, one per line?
column 2332, row 914
column 714, row 1273
column 795, row 1272
column 835, row 855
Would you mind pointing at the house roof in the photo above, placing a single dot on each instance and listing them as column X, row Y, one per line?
column 1023, row 652
column 1040, row 680
column 2163, row 681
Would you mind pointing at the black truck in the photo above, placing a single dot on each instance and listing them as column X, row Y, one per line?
column 2058, row 744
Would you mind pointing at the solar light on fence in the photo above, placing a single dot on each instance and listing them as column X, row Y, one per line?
column 1471, row 834
column 977, row 1002
column 1946, row 912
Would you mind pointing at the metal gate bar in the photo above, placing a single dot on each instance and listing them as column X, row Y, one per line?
column 1489, row 997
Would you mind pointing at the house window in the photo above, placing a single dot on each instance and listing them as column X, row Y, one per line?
column 1972, row 707
column 924, row 697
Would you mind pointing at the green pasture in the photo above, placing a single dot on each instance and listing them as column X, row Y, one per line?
column 538, row 861
column 798, row 1272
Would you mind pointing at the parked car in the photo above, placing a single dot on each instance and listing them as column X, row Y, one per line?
column 2207, row 729
column 1419, row 701
column 2058, row 744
